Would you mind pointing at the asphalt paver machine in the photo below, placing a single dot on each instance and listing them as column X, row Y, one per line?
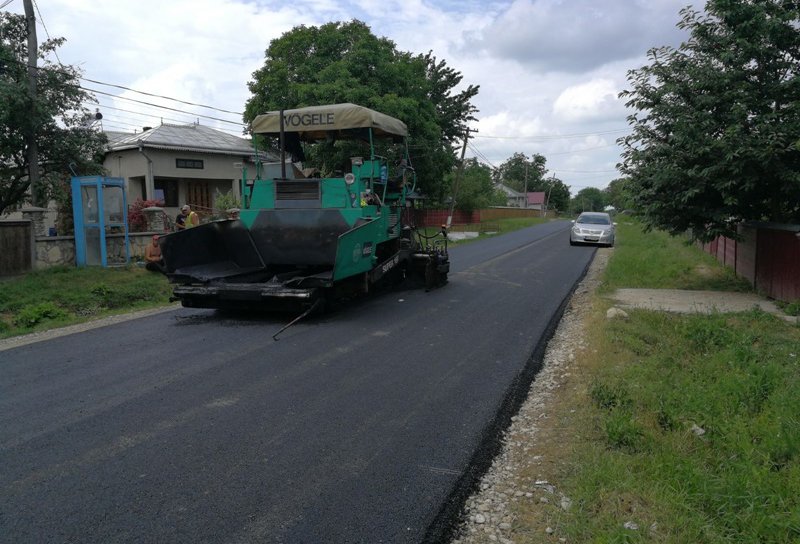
column 303, row 241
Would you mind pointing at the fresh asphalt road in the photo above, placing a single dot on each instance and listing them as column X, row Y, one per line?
column 195, row 426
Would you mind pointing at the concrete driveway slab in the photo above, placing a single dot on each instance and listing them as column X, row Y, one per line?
column 685, row 301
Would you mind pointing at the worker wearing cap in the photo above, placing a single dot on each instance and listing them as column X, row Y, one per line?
column 180, row 221
column 152, row 256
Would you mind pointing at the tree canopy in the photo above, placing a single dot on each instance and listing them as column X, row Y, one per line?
column 476, row 189
column 345, row 62
column 619, row 194
column 713, row 139
column 56, row 118
column 589, row 199
column 514, row 171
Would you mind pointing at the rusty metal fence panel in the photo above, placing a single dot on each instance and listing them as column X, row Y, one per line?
column 16, row 247
column 778, row 264
column 768, row 256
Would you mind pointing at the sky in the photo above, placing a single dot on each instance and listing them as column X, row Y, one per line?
column 549, row 71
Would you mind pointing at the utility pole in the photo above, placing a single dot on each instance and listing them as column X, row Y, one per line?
column 33, row 149
column 458, row 179
column 526, row 183
column 547, row 201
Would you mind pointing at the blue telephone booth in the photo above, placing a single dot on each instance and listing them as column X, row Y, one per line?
column 99, row 206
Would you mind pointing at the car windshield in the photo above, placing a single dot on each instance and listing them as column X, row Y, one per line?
column 594, row 220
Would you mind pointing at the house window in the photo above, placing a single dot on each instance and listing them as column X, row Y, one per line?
column 195, row 164
column 166, row 190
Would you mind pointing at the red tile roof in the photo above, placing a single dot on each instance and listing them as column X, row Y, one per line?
column 536, row 198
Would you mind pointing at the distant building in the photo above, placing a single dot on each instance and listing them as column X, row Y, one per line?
column 536, row 200
column 182, row 164
column 513, row 198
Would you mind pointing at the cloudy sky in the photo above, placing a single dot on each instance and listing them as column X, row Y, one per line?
column 549, row 70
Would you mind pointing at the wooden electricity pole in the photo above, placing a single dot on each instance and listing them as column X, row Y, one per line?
column 457, row 181
column 33, row 149
column 526, row 183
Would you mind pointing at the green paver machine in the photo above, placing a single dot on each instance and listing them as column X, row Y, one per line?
column 300, row 242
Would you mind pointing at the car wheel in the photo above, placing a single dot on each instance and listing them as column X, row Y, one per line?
column 571, row 243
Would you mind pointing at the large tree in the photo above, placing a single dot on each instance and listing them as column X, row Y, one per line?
column 557, row 193
column 589, row 199
column 475, row 189
column 56, row 118
column 713, row 138
column 620, row 194
column 518, row 168
column 345, row 62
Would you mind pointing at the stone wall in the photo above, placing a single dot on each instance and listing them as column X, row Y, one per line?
column 55, row 251
column 60, row 250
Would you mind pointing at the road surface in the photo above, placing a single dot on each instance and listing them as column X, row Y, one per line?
column 365, row 425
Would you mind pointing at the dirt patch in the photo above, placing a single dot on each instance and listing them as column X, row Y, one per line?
column 684, row 301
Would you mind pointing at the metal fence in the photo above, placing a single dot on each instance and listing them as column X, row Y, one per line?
column 767, row 255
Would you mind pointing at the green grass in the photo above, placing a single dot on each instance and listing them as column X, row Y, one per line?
column 694, row 420
column 661, row 375
column 65, row 295
column 656, row 260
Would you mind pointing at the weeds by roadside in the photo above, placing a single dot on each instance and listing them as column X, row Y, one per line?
column 64, row 295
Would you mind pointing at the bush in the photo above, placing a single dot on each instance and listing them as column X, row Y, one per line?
column 136, row 219
column 224, row 202
column 30, row 316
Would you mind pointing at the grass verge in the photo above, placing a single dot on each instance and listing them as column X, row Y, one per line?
column 672, row 428
column 62, row 296
column 655, row 260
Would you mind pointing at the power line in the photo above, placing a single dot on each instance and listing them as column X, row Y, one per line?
column 162, row 107
column 140, row 113
column 481, row 156
column 162, row 96
column 45, row 29
column 551, row 138
column 53, row 69
column 580, row 150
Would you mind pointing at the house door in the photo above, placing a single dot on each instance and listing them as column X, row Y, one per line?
column 199, row 195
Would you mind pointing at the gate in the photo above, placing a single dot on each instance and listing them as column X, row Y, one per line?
column 16, row 247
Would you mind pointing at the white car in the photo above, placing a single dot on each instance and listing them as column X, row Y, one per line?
column 592, row 228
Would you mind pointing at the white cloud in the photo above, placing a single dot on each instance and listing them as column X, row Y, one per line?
column 591, row 101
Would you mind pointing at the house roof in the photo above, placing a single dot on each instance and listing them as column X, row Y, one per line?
column 536, row 198
column 114, row 135
column 199, row 138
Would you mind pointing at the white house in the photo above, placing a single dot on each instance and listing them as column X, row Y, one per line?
column 181, row 164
